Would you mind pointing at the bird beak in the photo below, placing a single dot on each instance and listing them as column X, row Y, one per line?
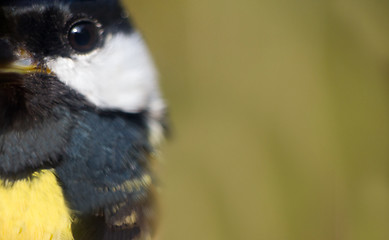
column 18, row 68
column 24, row 64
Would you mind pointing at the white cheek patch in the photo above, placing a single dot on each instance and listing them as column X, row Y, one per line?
column 119, row 76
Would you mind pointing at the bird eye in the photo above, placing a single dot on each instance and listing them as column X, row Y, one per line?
column 83, row 36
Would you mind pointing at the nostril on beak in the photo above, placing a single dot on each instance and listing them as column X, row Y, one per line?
column 6, row 52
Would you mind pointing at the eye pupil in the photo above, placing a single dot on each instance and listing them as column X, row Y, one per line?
column 83, row 36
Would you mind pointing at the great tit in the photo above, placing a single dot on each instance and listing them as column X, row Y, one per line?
column 81, row 116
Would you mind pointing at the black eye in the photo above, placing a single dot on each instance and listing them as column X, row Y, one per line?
column 83, row 36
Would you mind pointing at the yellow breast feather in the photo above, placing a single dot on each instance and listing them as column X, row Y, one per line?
column 34, row 209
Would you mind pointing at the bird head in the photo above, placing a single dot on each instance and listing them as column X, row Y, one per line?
column 72, row 53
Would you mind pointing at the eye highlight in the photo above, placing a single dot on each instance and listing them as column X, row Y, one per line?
column 83, row 36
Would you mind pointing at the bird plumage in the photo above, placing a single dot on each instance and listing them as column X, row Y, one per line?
column 79, row 111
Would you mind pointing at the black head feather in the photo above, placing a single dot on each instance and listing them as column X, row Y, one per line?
column 32, row 2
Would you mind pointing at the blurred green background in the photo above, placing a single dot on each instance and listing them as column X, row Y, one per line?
column 280, row 115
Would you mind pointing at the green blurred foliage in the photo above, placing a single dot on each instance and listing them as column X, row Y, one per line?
column 280, row 117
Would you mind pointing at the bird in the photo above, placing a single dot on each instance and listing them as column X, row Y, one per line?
column 81, row 120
